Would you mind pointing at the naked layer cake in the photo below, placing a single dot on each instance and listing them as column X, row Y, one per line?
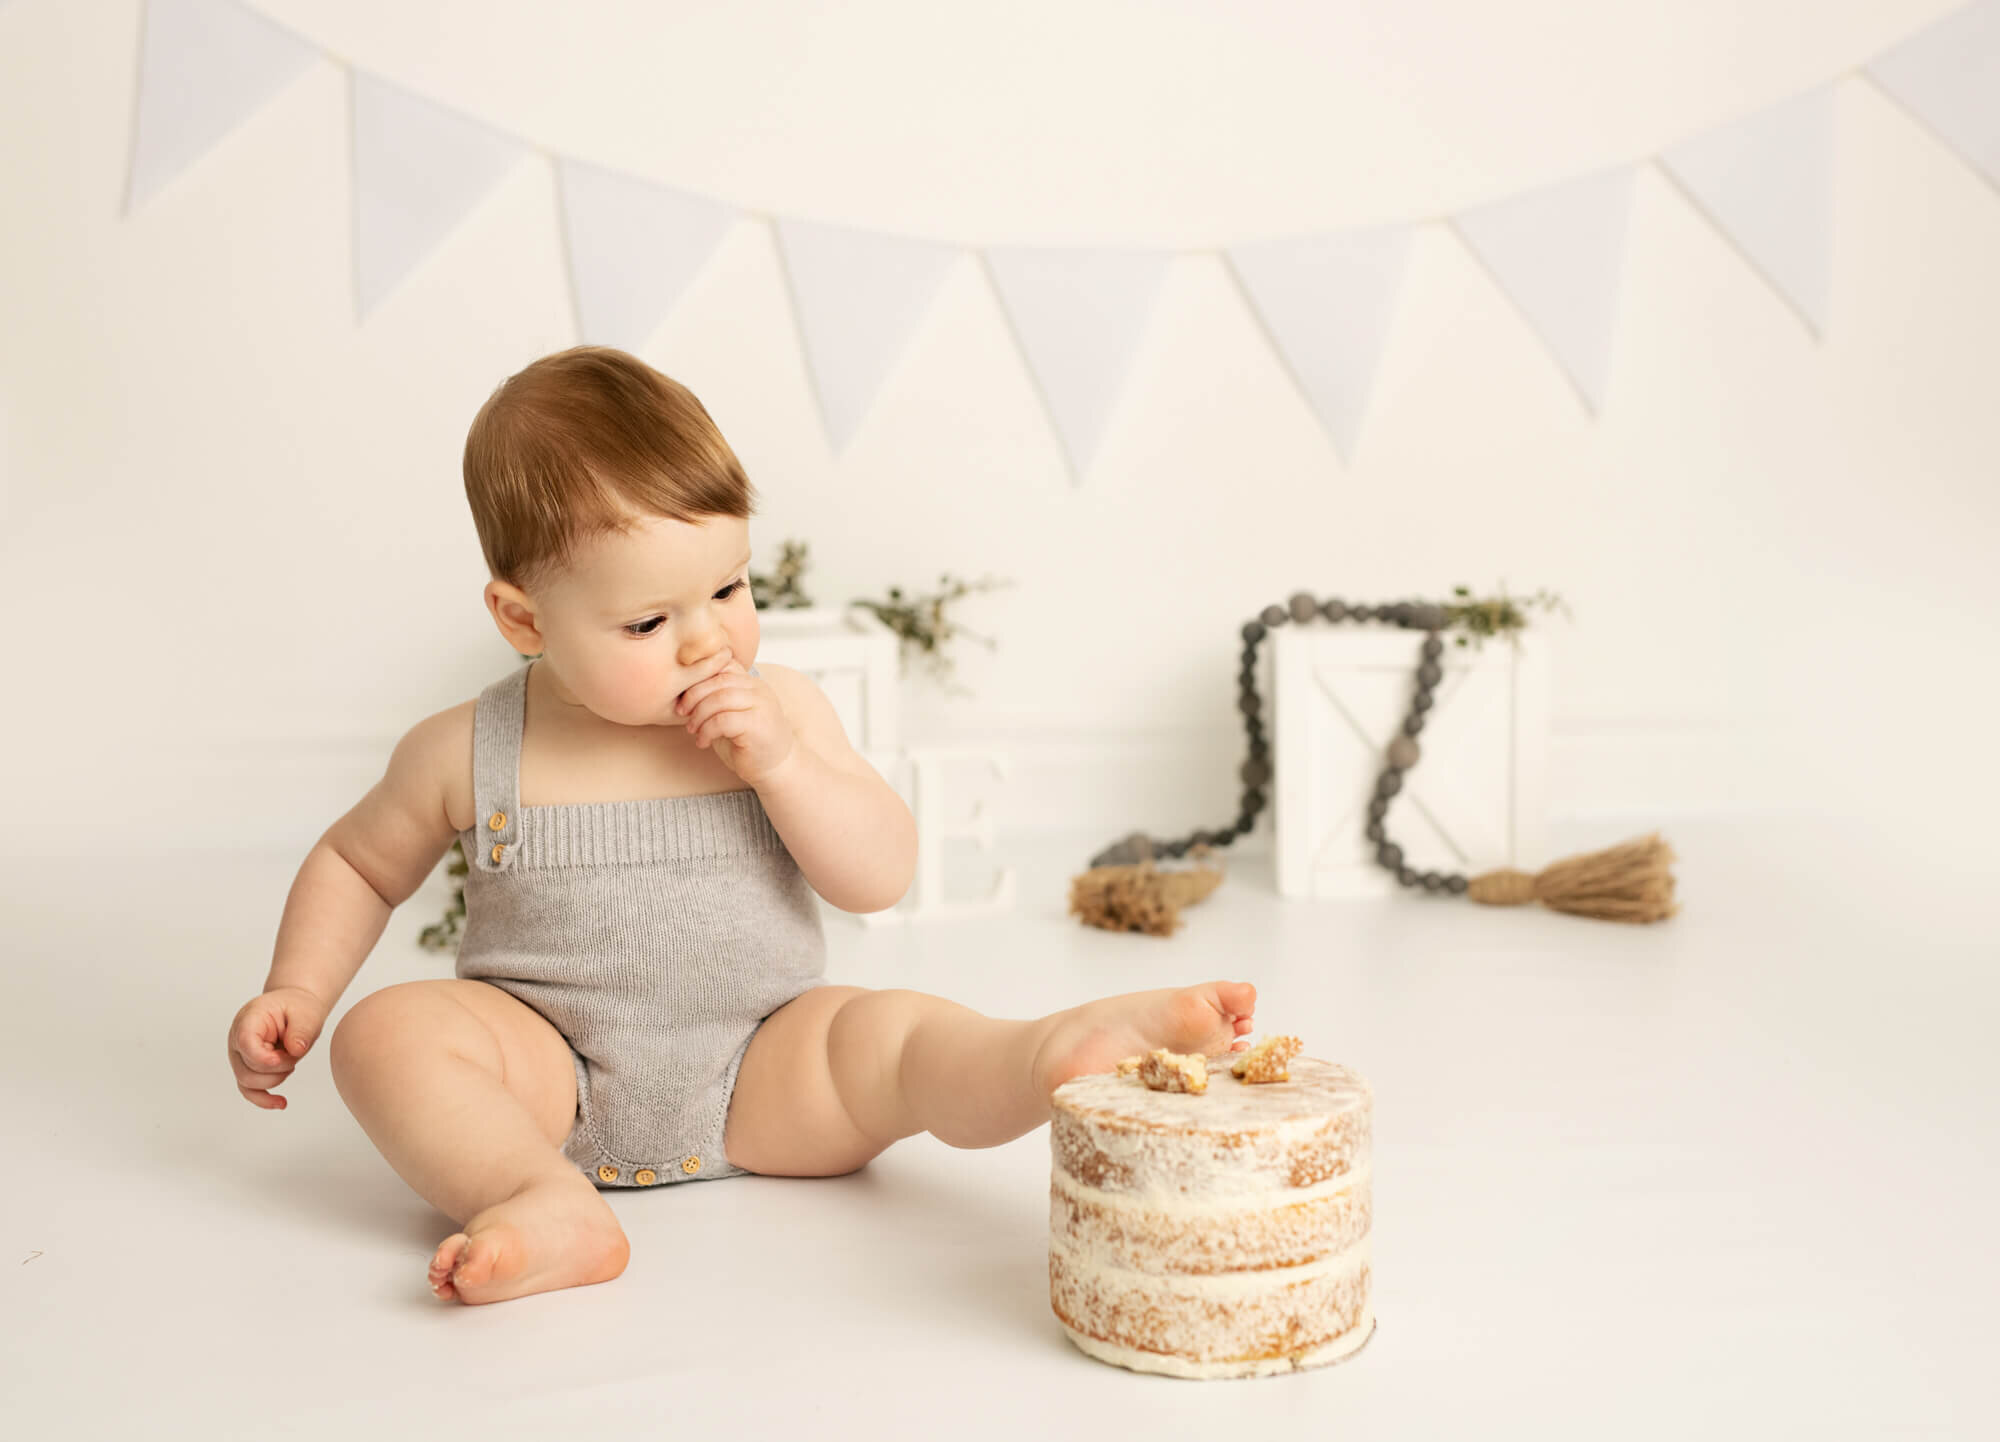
column 1220, row 1233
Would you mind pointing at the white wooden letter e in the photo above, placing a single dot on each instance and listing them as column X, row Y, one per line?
column 927, row 773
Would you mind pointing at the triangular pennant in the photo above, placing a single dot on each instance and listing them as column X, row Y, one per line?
column 1767, row 182
column 633, row 248
column 1327, row 302
column 1949, row 77
column 1558, row 252
column 204, row 65
column 1079, row 316
column 859, row 297
column 418, row 168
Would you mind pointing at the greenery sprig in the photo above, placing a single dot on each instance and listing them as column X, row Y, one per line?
column 784, row 591
column 921, row 625
column 1501, row 616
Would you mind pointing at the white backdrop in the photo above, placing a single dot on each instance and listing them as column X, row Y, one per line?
column 239, row 560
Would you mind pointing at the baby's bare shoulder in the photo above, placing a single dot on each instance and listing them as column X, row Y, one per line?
column 445, row 742
column 394, row 835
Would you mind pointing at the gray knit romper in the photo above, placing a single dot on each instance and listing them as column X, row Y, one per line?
column 655, row 935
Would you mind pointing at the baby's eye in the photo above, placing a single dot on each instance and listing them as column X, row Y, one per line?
column 652, row 623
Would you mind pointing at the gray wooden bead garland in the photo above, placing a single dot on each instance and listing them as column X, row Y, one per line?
column 1256, row 773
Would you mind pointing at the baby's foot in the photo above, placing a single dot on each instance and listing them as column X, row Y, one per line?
column 550, row 1234
column 1094, row 1037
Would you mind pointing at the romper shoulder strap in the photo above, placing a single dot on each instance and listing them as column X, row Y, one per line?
column 498, row 719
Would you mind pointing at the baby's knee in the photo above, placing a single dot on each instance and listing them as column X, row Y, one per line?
column 361, row 1035
column 395, row 1023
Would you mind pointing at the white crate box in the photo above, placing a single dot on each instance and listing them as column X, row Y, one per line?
column 851, row 655
column 1477, row 797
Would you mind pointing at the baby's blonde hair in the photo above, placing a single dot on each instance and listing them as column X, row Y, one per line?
column 579, row 443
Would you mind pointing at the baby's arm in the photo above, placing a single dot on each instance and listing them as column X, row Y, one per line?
column 368, row 863
column 356, row 874
column 849, row 831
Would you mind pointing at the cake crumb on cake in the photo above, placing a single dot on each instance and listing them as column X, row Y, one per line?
column 1166, row 1071
column 1129, row 1065
column 1268, row 1060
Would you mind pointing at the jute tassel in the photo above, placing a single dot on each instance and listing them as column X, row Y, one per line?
column 1629, row 882
column 1140, row 897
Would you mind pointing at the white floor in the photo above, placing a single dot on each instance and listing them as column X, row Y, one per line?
column 1732, row 1175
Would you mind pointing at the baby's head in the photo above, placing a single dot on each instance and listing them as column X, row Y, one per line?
column 615, row 522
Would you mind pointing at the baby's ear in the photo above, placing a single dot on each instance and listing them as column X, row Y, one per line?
column 514, row 613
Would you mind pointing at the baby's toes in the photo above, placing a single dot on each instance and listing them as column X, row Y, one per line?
column 475, row 1268
column 443, row 1261
column 1238, row 998
column 1206, row 1022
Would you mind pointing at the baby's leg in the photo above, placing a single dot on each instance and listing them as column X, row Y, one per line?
column 468, row 1093
column 833, row 1078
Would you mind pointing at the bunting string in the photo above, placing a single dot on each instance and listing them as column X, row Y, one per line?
column 1079, row 316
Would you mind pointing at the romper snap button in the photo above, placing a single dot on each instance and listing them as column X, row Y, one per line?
column 607, row 1174
column 644, row 1176
column 691, row 1165
column 497, row 849
column 497, row 820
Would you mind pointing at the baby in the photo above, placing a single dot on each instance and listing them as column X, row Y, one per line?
column 640, row 994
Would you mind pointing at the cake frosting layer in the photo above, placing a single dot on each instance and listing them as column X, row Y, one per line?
column 1219, row 1317
column 1153, row 1233
column 1338, row 1350
column 1112, row 1133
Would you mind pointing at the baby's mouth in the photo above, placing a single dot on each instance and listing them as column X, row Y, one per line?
column 690, row 685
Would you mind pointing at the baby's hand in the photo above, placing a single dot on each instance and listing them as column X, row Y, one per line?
column 741, row 715
column 268, row 1037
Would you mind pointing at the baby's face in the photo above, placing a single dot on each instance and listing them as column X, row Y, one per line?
column 641, row 616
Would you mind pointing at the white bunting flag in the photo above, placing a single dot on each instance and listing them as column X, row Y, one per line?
column 418, row 168
column 1558, row 252
column 1327, row 302
column 1767, row 182
column 859, row 297
column 634, row 247
column 1949, row 78
column 204, row 65
column 1080, row 316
